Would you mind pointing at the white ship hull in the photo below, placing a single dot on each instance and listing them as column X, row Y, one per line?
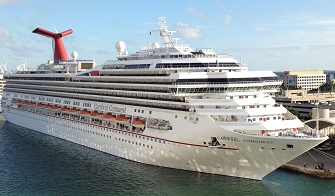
column 252, row 157
column 168, row 105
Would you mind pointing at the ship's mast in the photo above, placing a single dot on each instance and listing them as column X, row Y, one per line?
column 3, row 68
column 168, row 41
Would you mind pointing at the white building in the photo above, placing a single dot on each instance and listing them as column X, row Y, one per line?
column 304, row 79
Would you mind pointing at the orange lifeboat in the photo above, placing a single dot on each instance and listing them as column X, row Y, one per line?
column 121, row 119
column 65, row 109
column 73, row 110
column 18, row 101
column 55, row 107
column 48, row 106
column 109, row 117
column 138, row 123
column 40, row 105
column 30, row 103
column 95, row 114
column 85, row 112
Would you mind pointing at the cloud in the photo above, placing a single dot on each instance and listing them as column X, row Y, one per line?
column 6, row 2
column 321, row 22
column 260, row 29
column 5, row 37
column 226, row 20
column 188, row 31
column 276, row 54
column 308, row 20
column 304, row 47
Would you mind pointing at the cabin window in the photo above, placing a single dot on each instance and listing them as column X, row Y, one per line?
column 134, row 110
column 176, row 116
column 150, row 112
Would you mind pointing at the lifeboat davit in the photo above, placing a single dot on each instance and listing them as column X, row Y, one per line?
column 109, row 117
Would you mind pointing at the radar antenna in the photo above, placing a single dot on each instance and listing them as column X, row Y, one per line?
column 59, row 49
column 168, row 41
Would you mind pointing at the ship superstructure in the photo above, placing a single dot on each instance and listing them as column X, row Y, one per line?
column 166, row 105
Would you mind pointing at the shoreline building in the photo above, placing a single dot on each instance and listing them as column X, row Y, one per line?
column 307, row 80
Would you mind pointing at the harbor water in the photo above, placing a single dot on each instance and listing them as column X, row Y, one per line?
column 32, row 163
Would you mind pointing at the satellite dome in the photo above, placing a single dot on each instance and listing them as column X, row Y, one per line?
column 74, row 55
column 155, row 45
column 120, row 46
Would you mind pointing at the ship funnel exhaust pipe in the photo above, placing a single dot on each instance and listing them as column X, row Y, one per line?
column 59, row 49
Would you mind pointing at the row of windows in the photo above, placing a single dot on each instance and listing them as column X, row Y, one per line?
column 112, row 131
column 180, row 65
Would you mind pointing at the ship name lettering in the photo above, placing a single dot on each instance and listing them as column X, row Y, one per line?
column 234, row 139
column 258, row 141
column 116, row 109
column 109, row 108
column 100, row 107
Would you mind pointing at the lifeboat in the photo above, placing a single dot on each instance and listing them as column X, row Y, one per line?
column 30, row 103
column 18, row 101
column 95, row 114
column 109, row 117
column 85, row 112
column 48, row 106
column 73, row 110
column 55, row 107
column 121, row 119
column 64, row 109
column 40, row 105
column 138, row 123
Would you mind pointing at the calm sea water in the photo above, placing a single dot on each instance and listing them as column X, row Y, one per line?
column 32, row 163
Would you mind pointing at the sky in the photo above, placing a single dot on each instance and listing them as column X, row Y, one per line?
column 265, row 34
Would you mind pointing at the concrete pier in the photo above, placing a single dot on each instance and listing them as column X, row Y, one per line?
column 306, row 164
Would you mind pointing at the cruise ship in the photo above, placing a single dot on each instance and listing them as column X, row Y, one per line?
column 166, row 105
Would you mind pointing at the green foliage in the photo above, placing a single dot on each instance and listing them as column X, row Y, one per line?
column 295, row 113
column 326, row 87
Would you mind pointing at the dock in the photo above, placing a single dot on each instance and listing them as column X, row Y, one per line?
column 307, row 163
